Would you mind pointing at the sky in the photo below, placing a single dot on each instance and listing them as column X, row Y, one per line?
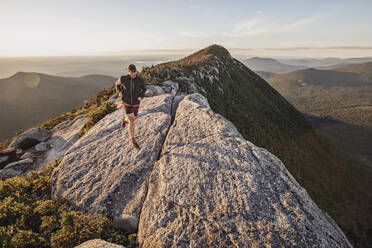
column 333, row 28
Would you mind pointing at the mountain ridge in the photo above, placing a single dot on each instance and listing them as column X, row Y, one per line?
column 264, row 117
column 148, row 188
column 267, row 119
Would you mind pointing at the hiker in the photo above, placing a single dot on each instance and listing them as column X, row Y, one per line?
column 132, row 88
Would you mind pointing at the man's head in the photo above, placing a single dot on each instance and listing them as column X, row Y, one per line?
column 131, row 69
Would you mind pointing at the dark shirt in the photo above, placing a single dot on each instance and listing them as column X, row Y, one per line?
column 131, row 89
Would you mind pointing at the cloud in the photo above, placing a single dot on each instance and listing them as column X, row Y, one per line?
column 263, row 25
column 298, row 23
column 194, row 7
column 256, row 26
column 250, row 27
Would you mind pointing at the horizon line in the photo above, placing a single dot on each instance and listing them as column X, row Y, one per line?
column 183, row 51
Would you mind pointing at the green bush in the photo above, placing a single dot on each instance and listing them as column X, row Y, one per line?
column 30, row 218
column 96, row 115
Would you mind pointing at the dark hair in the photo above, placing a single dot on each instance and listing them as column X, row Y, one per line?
column 131, row 68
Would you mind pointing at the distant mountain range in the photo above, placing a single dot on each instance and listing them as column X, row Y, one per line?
column 27, row 98
column 77, row 66
column 324, row 63
column 339, row 102
column 270, row 65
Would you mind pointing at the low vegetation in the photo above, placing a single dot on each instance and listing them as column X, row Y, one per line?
column 96, row 115
column 29, row 217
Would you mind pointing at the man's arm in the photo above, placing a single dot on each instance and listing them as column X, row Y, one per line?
column 143, row 89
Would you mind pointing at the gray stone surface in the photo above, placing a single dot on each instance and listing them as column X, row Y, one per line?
column 126, row 222
column 154, row 90
column 212, row 188
column 7, row 173
column 98, row 243
column 170, row 87
column 63, row 136
column 102, row 172
column 30, row 138
column 42, row 147
column 19, row 163
column 4, row 158
column 26, row 155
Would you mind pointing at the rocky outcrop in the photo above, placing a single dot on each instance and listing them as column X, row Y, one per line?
column 98, row 243
column 196, row 182
column 212, row 188
column 152, row 90
column 63, row 136
column 47, row 145
column 170, row 87
column 103, row 172
column 6, row 156
column 22, row 162
column 30, row 138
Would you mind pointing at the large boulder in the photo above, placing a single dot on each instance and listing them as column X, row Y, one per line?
column 30, row 138
column 63, row 136
column 42, row 147
column 170, row 86
column 152, row 90
column 16, row 168
column 102, row 172
column 213, row 188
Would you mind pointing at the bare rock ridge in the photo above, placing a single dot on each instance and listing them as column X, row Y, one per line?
column 196, row 182
column 102, row 171
column 212, row 188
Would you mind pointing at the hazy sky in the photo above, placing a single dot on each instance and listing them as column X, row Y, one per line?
column 277, row 28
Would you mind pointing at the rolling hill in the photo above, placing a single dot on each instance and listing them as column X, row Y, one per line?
column 323, row 63
column 27, row 98
column 338, row 101
column 269, row 65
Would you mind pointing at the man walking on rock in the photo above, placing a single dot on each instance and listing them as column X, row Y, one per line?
column 132, row 88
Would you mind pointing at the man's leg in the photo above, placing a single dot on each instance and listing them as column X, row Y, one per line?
column 132, row 119
column 125, row 119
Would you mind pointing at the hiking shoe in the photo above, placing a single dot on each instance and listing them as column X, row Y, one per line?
column 135, row 144
column 123, row 123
